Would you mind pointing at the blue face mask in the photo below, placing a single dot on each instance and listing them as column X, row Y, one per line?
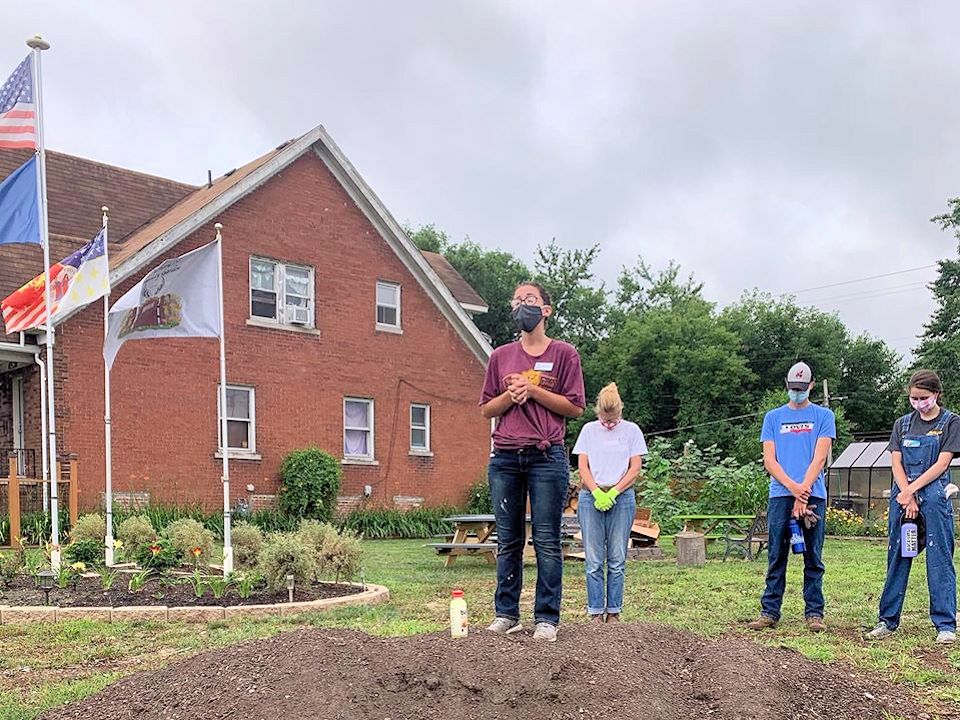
column 798, row 397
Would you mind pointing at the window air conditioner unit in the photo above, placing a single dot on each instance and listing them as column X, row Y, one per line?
column 298, row 315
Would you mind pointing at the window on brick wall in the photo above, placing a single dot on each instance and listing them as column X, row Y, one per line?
column 241, row 420
column 281, row 292
column 388, row 305
column 419, row 429
column 357, row 429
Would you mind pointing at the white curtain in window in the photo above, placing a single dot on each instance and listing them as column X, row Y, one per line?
column 355, row 442
column 355, row 414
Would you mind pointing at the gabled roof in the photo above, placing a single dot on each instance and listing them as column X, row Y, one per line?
column 194, row 207
column 468, row 298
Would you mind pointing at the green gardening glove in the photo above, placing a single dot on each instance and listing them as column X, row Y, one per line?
column 613, row 494
column 601, row 501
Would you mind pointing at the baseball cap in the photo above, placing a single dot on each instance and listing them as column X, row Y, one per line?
column 799, row 377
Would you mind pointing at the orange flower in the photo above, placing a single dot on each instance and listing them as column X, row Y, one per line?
column 155, row 549
column 197, row 552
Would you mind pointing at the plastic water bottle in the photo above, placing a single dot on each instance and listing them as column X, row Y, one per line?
column 796, row 537
column 458, row 614
column 909, row 539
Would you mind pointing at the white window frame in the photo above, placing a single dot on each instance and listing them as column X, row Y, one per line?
column 415, row 450
column 280, row 290
column 252, row 421
column 387, row 326
column 371, row 445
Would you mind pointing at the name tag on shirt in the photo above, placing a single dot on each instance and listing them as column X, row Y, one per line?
column 543, row 366
column 911, row 443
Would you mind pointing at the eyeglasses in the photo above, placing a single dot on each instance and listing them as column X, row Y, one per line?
column 529, row 299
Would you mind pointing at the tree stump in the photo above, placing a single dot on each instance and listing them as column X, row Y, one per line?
column 691, row 548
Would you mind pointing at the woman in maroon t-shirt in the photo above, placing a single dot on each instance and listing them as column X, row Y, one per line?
column 532, row 386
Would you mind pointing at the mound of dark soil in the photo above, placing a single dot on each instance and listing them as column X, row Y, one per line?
column 623, row 671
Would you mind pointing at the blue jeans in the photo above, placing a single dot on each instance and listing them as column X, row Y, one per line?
column 545, row 474
column 941, row 574
column 605, row 538
column 778, row 553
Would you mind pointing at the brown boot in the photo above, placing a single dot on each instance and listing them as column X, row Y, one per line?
column 598, row 618
column 764, row 622
column 815, row 624
column 613, row 617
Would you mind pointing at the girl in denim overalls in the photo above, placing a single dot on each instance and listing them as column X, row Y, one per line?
column 921, row 446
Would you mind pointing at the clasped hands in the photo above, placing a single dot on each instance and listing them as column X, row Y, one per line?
column 603, row 500
column 801, row 511
column 908, row 501
column 519, row 387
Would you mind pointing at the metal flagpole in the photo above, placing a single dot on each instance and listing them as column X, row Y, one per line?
column 107, row 441
column 43, row 433
column 38, row 45
column 224, row 443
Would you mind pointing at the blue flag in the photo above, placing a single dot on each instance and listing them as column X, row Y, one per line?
column 19, row 220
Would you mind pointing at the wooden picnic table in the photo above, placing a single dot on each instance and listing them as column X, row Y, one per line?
column 472, row 536
column 715, row 526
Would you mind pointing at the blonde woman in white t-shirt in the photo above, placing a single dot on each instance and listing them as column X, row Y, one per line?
column 611, row 451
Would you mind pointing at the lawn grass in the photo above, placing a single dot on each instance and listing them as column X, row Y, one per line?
column 45, row 666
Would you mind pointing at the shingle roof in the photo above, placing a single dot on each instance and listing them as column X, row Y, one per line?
column 76, row 190
column 461, row 289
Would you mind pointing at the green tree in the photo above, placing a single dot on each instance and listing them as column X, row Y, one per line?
column 676, row 364
column 871, row 384
column 428, row 238
column 940, row 343
column 580, row 309
column 776, row 332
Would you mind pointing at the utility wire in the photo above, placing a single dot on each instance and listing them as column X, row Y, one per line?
column 728, row 419
column 863, row 279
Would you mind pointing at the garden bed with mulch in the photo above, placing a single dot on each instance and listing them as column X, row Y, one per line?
column 171, row 591
column 593, row 671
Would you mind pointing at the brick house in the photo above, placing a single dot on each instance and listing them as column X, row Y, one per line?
column 340, row 334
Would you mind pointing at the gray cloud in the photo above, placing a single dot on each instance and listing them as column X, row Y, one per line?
column 770, row 145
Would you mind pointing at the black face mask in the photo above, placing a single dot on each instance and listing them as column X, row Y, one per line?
column 527, row 317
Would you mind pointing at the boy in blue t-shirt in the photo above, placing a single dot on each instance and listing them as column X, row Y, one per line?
column 796, row 441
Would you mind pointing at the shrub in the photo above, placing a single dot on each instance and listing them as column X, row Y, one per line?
column 340, row 556
column 247, row 542
column 310, row 483
column 135, row 532
column 160, row 555
column 11, row 563
column 89, row 527
column 89, row 552
column 286, row 554
column 478, row 499
column 186, row 536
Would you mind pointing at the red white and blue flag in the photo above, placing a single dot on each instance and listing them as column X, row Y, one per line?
column 77, row 281
column 18, row 108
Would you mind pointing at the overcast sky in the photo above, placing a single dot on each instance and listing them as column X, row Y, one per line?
column 773, row 145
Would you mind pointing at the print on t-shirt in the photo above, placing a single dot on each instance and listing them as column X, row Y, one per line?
column 796, row 428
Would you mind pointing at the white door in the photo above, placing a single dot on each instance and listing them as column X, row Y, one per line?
column 18, row 424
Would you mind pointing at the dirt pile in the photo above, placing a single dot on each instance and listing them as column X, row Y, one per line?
column 623, row 671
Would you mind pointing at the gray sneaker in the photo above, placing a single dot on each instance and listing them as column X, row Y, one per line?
column 545, row 631
column 946, row 637
column 880, row 631
column 505, row 626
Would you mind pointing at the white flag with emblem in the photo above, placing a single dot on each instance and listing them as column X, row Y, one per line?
column 178, row 298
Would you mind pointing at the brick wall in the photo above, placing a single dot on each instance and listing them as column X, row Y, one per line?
column 164, row 391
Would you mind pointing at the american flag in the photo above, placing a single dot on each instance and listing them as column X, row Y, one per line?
column 18, row 110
